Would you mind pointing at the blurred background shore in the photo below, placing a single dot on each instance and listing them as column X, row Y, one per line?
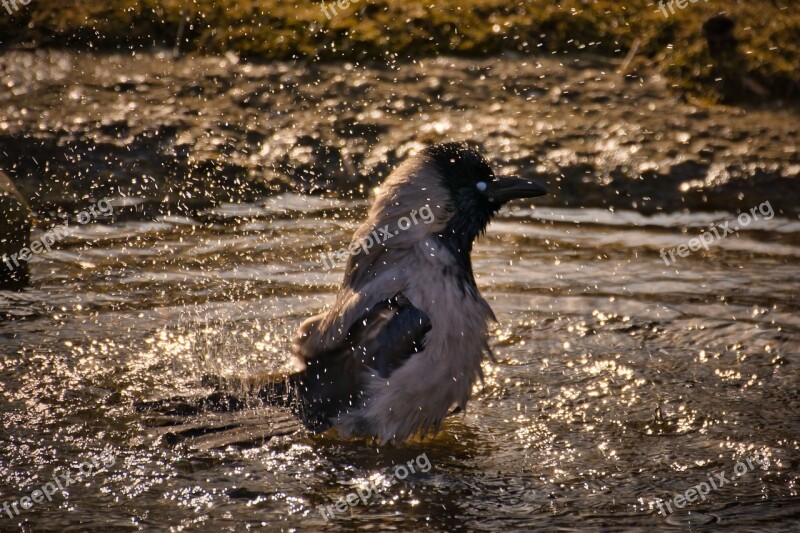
column 180, row 104
column 764, row 45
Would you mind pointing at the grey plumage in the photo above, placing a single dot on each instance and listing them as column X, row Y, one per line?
column 429, row 264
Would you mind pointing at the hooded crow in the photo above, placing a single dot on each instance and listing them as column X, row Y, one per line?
column 403, row 342
column 428, row 266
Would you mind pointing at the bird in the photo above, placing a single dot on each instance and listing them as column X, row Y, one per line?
column 402, row 344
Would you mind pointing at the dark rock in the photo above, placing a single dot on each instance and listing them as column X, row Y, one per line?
column 15, row 231
column 718, row 31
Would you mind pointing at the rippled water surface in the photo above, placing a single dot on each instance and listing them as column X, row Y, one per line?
column 618, row 379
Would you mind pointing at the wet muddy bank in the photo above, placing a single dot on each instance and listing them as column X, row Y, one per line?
column 187, row 133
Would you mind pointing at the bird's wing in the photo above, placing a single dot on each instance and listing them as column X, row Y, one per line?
column 391, row 332
column 377, row 343
column 369, row 279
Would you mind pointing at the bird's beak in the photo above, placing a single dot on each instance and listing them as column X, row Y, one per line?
column 504, row 190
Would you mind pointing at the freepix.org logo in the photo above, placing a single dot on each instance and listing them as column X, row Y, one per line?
column 55, row 234
column 716, row 481
column 364, row 493
column 11, row 5
column 60, row 483
column 378, row 236
column 707, row 238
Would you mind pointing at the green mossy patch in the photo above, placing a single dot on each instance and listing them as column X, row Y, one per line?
column 764, row 66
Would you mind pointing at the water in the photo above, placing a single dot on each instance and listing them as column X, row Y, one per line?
column 618, row 379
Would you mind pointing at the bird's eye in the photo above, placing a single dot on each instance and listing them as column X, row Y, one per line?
column 481, row 185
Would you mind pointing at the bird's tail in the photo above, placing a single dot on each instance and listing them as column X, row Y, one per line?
column 241, row 411
column 231, row 394
column 306, row 393
column 268, row 388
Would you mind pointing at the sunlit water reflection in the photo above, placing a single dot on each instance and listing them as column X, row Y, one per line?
column 618, row 381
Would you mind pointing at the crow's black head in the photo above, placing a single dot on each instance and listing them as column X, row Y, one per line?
column 466, row 175
column 475, row 193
